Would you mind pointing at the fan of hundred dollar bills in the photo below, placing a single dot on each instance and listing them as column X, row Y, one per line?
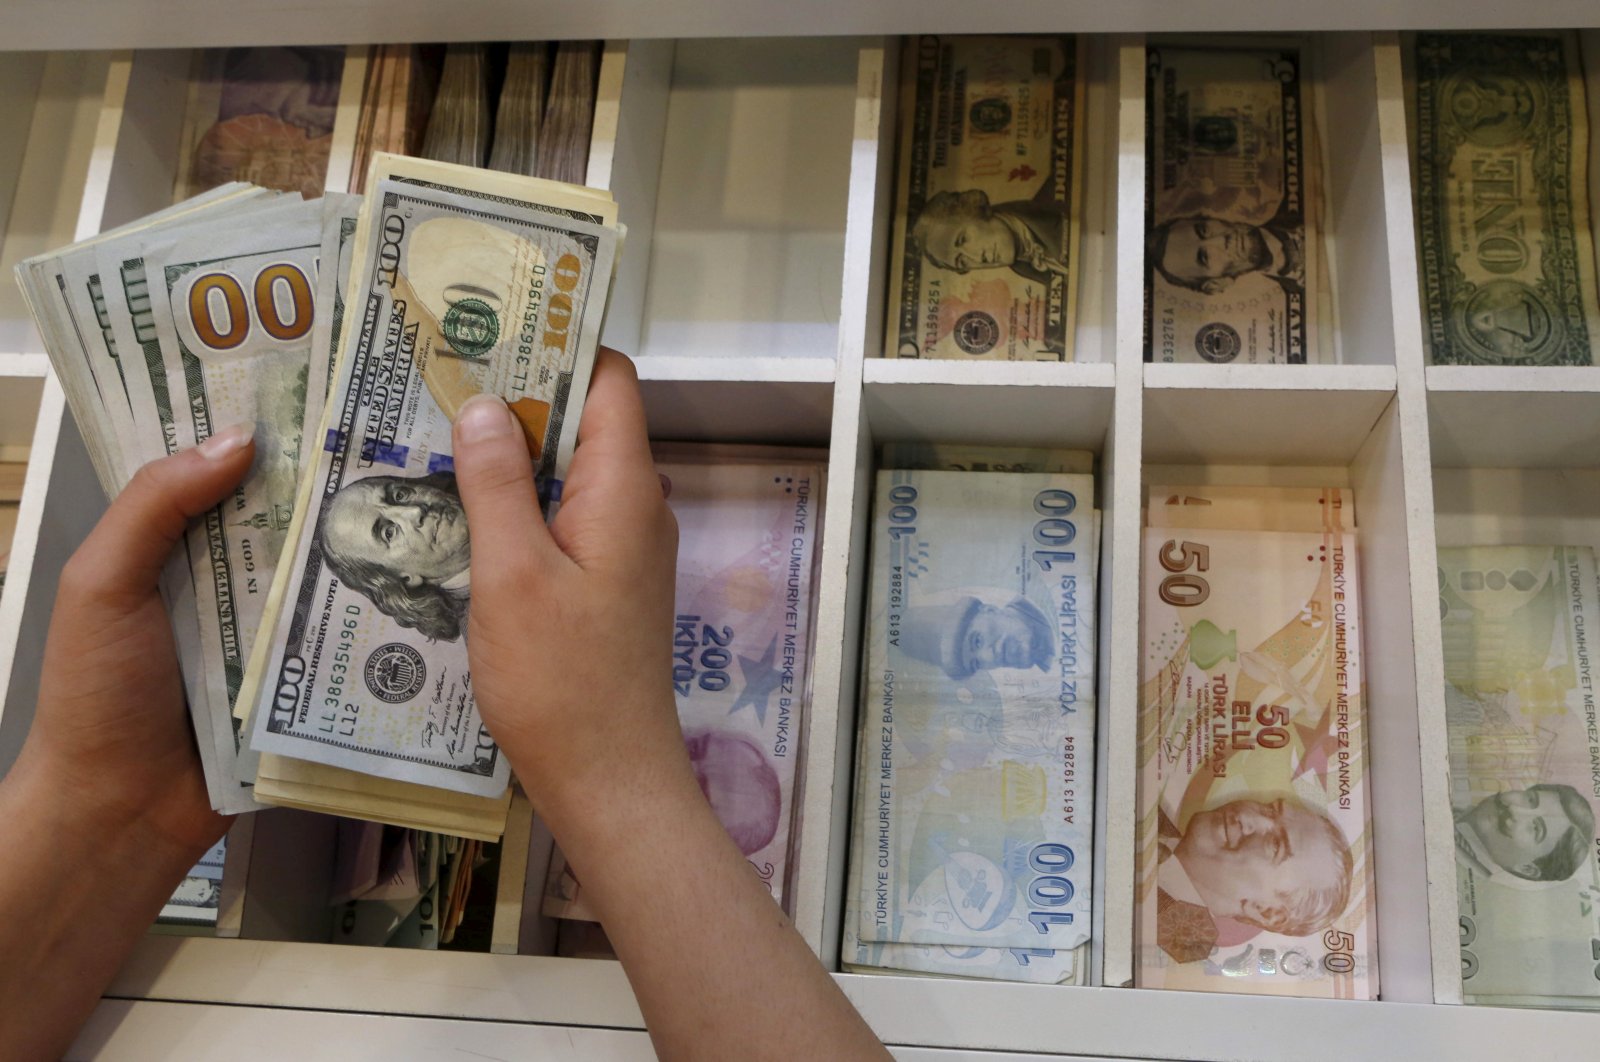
column 321, row 672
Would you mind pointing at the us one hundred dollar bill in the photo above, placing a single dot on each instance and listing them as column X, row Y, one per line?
column 1254, row 866
column 1519, row 624
column 233, row 311
column 1501, row 153
column 986, row 226
column 463, row 281
column 975, row 762
column 1232, row 211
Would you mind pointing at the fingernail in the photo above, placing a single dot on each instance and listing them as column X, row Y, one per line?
column 225, row 442
column 484, row 417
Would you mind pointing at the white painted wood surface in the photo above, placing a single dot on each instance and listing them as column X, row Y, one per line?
column 1453, row 454
column 193, row 1032
column 205, row 23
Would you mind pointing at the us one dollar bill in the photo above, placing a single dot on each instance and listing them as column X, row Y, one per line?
column 975, row 763
column 986, row 226
column 1254, row 866
column 463, row 281
column 1519, row 664
column 741, row 648
column 1232, row 210
column 1501, row 154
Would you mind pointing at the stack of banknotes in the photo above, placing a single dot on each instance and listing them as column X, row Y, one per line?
column 986, row 227
column 1235, row 267
column 320, row 609
column 401, row 888
column 1519, row 663
column 970, row 847
column 749, row 527
column 542, row 117
column 1254, row 843
column 1500, row 149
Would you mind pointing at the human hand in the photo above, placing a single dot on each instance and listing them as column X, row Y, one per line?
column 569, row 636
column 110, row 736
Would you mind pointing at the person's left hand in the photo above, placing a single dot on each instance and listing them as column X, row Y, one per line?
column 111, row 734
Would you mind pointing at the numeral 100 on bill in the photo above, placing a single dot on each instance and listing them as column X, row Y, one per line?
column 1055, row 529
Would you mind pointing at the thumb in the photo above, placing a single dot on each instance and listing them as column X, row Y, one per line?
column 124, row 554
column 495, row 478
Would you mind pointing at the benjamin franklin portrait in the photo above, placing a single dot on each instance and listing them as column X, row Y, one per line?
column 403, row 543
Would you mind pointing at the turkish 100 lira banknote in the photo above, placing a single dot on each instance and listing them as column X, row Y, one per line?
column 1254, row 867
column 1519, row 624
column 1501, row 153
column 460, row 285
column 986, row 215
column 974, row 802
column 1233, row 256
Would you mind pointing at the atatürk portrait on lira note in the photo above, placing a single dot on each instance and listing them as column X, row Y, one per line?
column 403, row 543
column 1275, row 865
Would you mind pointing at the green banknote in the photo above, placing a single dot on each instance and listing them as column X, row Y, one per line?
column 462, row 281
column 1233, row 214
column 1502, row 197
column 986, row 226
column 974, row 776
column 1518, row 625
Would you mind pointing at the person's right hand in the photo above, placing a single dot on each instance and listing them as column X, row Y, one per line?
column 569, row 634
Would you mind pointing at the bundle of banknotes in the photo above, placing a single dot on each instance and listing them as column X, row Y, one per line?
column 986, row 227
column 1519, row 625
column 1254, row 844
column 1500, row 151
column 749, row 527
column 401, row 888
column 320, row 609
column 541, row 122
column 1235, row 267
column 970, row 845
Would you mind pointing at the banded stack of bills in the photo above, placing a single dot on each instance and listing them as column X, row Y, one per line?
column 1519, row 661
column 986, row 225
column 234, row 307
column 970, row 848
column 396, row 101
column 749, row 524
column 164, row 330
column 1233, row 209
column 1500, row 148
column 462, row 281
column 401, row 888
column 1254, row 854
column 458, row 126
